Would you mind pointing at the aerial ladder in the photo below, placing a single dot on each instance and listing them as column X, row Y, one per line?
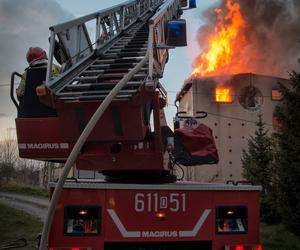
column 130, row 44
column 104, row 112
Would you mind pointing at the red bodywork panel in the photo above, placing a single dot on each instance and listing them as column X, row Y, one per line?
column 120, row 141
column 131, row 214
column 74, row 116
column 41, row 138
column 132, row 156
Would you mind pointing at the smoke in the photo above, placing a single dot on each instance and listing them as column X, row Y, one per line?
column 272, row 35
column 24, row 24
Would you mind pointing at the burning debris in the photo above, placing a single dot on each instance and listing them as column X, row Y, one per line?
column 249, row 36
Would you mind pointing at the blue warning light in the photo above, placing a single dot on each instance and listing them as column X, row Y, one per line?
column 176, row 33
column 192, row 4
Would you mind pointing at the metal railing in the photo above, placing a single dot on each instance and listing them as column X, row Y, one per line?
column 74, row 38
column 158, row 51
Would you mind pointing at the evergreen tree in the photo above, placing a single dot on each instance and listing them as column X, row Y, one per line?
column 288, row 158
column 258, row 168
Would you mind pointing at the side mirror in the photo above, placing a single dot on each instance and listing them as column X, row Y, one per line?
column 175, row 33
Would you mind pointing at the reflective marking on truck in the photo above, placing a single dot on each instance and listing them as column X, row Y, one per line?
column 197, row 227
column 22, row 146
column 120, row 226
column 150, row 202
column 43, row 145
column 158, row 234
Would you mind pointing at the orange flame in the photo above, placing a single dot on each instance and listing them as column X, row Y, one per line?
column 224, row 95
column 226, row 41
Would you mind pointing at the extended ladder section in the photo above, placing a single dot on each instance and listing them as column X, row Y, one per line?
column 105, row 71
column 92, row 69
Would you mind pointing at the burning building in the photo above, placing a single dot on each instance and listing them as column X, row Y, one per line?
column 240, row 37
column 233, row 103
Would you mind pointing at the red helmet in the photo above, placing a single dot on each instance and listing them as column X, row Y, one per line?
column 34, row 54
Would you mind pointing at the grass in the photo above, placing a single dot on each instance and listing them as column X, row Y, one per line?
column 16, row 224
column 276, row 237
column 23, row 189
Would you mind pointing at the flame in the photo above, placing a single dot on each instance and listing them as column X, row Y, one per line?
column 224, row 95
column 224, row 44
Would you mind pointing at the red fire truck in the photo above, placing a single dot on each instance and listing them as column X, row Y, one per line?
column 104, row 112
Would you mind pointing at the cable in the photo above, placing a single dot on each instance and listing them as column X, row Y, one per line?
column 78, row 146
column 225, row 116
column 182, row 171
column 174, row 163
column 205, row 94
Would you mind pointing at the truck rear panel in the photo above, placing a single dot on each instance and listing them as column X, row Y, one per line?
column 107, row 216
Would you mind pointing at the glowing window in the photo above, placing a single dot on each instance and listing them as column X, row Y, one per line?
column 223, row 95
column 276, row 95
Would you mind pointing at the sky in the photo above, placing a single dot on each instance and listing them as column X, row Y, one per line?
column 27, row 25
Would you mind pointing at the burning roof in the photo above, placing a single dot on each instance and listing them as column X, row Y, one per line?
column 249, row 36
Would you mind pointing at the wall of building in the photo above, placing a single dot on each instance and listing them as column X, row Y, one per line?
column 232, row 123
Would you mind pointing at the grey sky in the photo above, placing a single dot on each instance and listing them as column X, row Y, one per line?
column 24, row 25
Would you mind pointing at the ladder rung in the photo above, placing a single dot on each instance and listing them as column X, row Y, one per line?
column 126, row 59
column 95, row 92
column 134, row 46
column 90, row 72
column 137, row 43
column 132, row 54
column 86, row 78
column 120, row 75
column 105, row 61
column 101, row 97
column 134, row 49
column 100, row 85
column 100, row 66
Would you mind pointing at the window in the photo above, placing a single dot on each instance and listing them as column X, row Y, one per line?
column 224, row 95
column 232, row 219
column 276, row 95
column 82, row 220
column 251, row 98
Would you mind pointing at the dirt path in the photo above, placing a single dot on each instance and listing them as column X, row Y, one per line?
column 33, row 205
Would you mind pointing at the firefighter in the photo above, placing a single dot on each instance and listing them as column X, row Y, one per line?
column 36, row 57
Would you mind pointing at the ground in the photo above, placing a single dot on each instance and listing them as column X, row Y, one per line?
column 23, row 189
column 16, row 225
